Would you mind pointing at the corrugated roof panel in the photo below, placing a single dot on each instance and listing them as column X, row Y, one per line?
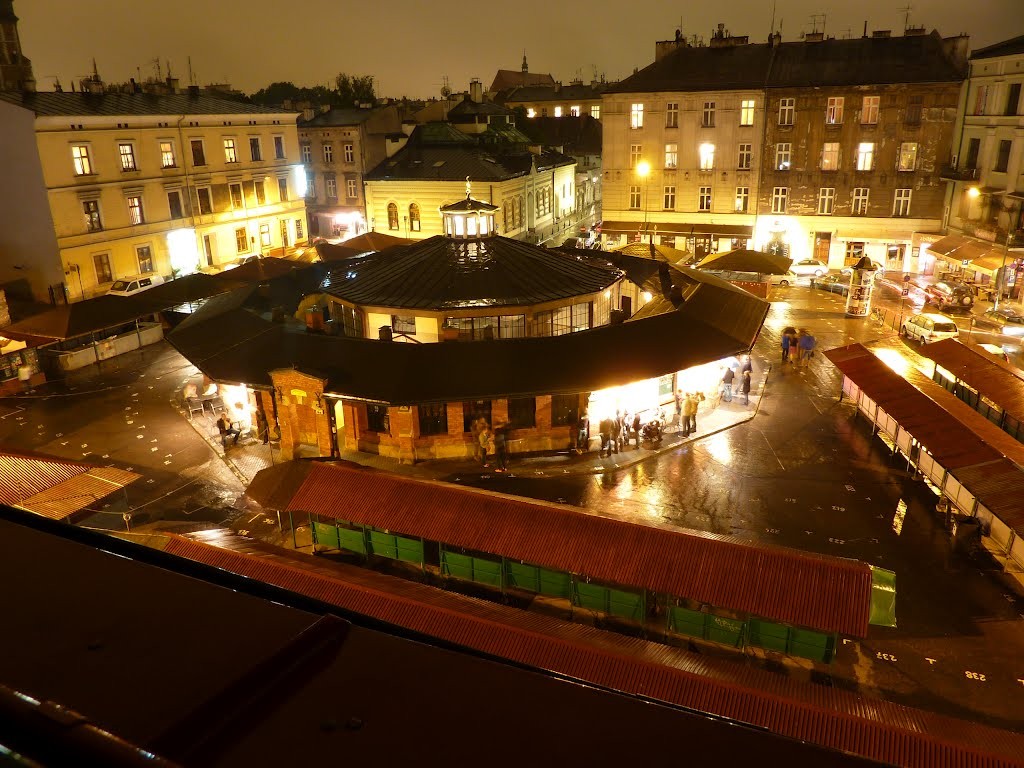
column 994, row 381
column 793, row 587
column 876, row 729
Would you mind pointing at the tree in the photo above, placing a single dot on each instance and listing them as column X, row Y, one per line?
column 275, row 94
column 352, row 90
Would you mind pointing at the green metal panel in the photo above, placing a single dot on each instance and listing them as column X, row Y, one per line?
column 487, row 571
column 555, row 583
column 686, row 622
column 767, row 634
column 592, row 596
column 325, row 535
column 627, row 604
column 725, row 631
column 883, row 598
column 410, row 550
column 811, row 645
column 353, row 541
column 383, row 544
column 454, row 564
column 523, row 576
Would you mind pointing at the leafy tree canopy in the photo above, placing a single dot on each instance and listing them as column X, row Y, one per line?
column 349, row 91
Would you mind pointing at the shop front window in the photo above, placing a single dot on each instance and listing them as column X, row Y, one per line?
column 473, row 410
column 377, row 419
column 522, row 412
column 565, row 410
column 433, row 419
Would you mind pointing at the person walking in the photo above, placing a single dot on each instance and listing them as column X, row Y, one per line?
column 262, row 427
column 679, row 408
column 475, row 427
column 727, row 379
column 227, row 429
column 486, row 444
column 747, row 366
column 785, row 347
column 806, row 345
column 583, row 433
column 616, row 431
column 745, row 387
column 689, row 414
column 501, row 447
column 605, row 427
column 636, row 428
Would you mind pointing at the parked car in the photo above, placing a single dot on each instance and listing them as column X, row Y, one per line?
column 949, row 295
column 789, row 278
column 130, row 286
column 929, row 326
column 1004, row 320
column 832, row 284
column 810, row 268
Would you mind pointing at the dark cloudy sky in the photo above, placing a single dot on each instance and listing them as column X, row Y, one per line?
column 410, row 45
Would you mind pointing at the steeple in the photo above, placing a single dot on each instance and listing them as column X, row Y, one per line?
column 525, row 68
column 15, row 69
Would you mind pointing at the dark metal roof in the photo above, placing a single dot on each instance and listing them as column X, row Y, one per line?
column 468, row 205
column 231, row 344
column 81, row 104
column 510, row 78
column 846, row 722
column 446, row 163
column 1011, row 47
column 797, row 588
column 744, row 260
column 468, row 108
column 991, row 379
column 449, row 273
column 338, row 117
column 577, row 135
column 541, row 92
column 857, row 61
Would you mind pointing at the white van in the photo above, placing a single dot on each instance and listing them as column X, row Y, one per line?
column 129, row 286
column 930, row 326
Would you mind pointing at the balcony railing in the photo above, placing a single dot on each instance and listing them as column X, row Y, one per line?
column 951, row 173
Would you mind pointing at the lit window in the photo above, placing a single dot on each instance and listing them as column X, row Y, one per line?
column 255, row 150
column 531, row 112
column 860, row 201
column 908, row 156
column 237, row 201
column 328, row 153
column 230, row 154
column 167, row 159
column 742, row 199
column 635, row 151
column 393, row 216
column 144, row 254
column 826, row 200
column 307, row 153
column 670, row 199
column 865, row 156
column 127, row 153
column 787, row 110
column 672, row 114
column 707, row 156
column 783, row 156
column 901, row 203
column 671, row 155
column 299, row 229
column 780, row 199
column 747, row 112
column 91, row 208
column 869, row 110
column 744, row 159
column 636, row 116
column 350, row 152
column 634, row 198
column 265, row 235
column 704, row 199
column 241, row 240
column 350, row 188
column 414, row 217
column 135, row 209
column 83, row 163
column 834, row 110
column 279, row 147
column 558, row 111
column 575, row 111
column 830, row 156
column 595, row 111
column 101, row 261
column 707, row 119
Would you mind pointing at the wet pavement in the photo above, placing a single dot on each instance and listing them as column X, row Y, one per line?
column 805, row 472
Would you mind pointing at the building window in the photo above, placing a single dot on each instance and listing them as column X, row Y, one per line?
column 237, row 201
column 707, row 119
column 83, row 163
column 174, row 204
column 830, row 156
column 279, row 147
column 558, row 111
column 913, row 114
column 1012, row 99
column 826, row 201
column 198, row 153
column 635, row 151
column 300, row 230
column 144, row 254
column 745, row 157
column 704, row 199
column 260, row 189
column 310, row 185
column 307, row 153
column 101, row 261
column 908, row 156
column 865, row 156
column 634, row 198
column 433, row 419
column 473, row 410
column 167, row 159
column 265, row 235
column 331, row 186
column 672, row 114
column 403, row 324
column 834, row 110
column 205, row 200
column 901, row 203
column 230, row 153
column 671, row 155
column 636, row 116
column 255, row 150
column 973, row 149
column 742, row 199
column 282, row 189
column 127, row 154
column 350, row 189
column 565, row 410
column 780, row 199
column 543, row 111
column 241, row 240
column 783, row 156
column 980, row 99
column 377, row 418
column 707, row 156
column 670, row 198
column 747, row 112
column 1003, row 156
column 328, row 153
column 574, row 111
column 860, row 201
column 414, row 217
column 787, row 111
column 595, row 111
column 580, row 317
column 91, row 208
column 522, row 412
column 135, row 215
column 512, row 326
column 392, row 216
column 869, row 110
column 854, row 252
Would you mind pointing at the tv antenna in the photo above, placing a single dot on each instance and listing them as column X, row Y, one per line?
column 815, row 18
column 905, row 10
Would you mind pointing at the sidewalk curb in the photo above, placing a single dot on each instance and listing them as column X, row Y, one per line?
column 239, row 475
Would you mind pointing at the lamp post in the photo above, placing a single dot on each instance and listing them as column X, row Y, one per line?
column 643, row 170
column 1001, row 282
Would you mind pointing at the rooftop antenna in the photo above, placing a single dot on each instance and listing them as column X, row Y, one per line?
column 773, row 18
column 156, row 65
column 845, row 34
column 815, row 18
column 906, row 15
column 191, row 77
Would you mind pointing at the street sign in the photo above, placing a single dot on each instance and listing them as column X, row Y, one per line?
column 906, row 291
column 906, row 278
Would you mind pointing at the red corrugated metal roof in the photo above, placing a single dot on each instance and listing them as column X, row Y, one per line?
column 78, row 492
column 876, row 729
column 994, row 381
column 786, row 585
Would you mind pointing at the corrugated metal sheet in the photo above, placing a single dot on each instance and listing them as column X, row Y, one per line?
column 77, row 493
column 24, row 475
column 998, row 485
column 798, row 588
column 995, row 382
column 876, row 729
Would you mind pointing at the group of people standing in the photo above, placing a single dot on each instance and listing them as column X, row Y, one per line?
column 687, row 405
column 615, row 431
column 490, row 444
column 798, row 346
column 729, row 380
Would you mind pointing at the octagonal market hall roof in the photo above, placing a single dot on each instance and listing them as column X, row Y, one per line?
column 451, row 273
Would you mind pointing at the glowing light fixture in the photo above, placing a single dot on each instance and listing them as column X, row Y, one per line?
column 643, row 168
column 973, row 191
column 183, row 250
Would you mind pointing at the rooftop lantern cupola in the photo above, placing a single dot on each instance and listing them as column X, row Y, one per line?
column 469, row 219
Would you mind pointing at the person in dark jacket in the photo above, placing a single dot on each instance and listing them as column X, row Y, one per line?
column 636, row 428
column 745, row 387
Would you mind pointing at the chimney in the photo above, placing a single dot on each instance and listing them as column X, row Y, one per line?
column 29, row 84
column 814, row 37
column 663, row 48
column 881, row 33
column 558, row 86
column 94, row 86
column 914, row 31
column 957, row 50
column 476, row 90
column 193, row 91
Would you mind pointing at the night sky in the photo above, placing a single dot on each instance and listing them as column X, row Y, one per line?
column 410, row 45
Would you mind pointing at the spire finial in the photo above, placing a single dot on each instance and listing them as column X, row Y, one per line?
column 525, row 68
column 469, row 188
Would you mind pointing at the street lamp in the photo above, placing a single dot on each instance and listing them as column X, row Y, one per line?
column 1001, row 282
column 643, row 170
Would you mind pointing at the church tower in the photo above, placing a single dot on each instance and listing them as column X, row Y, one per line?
column 15, row 68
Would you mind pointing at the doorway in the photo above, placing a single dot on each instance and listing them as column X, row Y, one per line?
column 208, row 249
column 822, row 246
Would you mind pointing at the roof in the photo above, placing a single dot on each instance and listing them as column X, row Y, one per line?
column 468, row 205
column 979, row 371
column 744, row 260
column 82, row 104
column 467, row 107
column 509, row 78
column 576, row 135
column 825, row 63
column 338, row 117
column 797, row 588
column 551, row 92
column 1012, row 47
column 232, row 344
column 811, row 714
column 53, row 487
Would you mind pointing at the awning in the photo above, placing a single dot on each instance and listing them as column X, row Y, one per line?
column 743, row 260
column 947, row 245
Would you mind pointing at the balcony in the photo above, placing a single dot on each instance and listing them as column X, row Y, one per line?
column 951, row 173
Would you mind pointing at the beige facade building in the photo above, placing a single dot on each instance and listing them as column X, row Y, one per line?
column 164, row 184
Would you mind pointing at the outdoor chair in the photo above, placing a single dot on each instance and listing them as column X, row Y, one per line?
column 195, row 405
